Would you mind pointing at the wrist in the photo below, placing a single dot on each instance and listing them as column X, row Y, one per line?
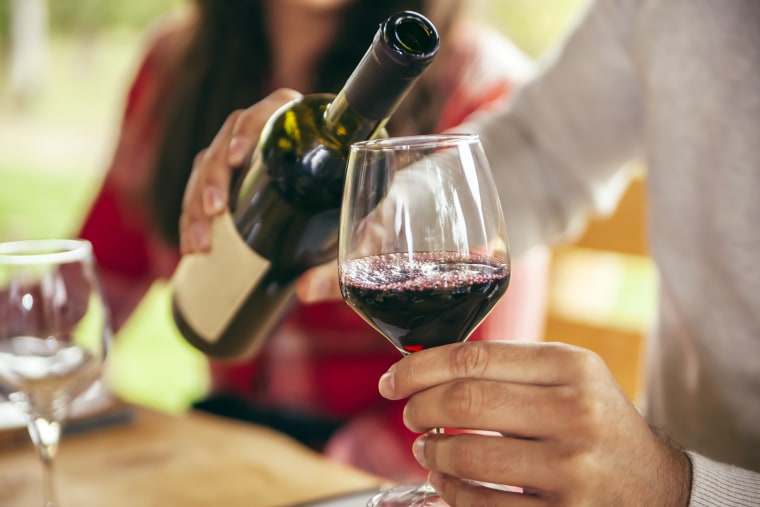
column 679, row 483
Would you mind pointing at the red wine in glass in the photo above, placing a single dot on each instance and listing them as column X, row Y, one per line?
column 424, row 299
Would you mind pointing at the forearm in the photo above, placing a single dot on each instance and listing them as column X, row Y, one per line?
column 717, row 485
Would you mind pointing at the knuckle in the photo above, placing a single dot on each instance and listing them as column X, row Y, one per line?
column 411, row 373
column 199, row 157
column 285, row 95
column 243, row 117
column 585, row 416
column 235, row 115
column 583, row 409
column 575, row 365
column 464, row 400
column 231, row 123
column 587, row 364
column 464, row 458
column 468, row 360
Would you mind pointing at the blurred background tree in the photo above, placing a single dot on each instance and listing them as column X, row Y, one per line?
column 27, row 26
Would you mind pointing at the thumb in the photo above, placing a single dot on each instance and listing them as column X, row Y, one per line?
column 319, row 284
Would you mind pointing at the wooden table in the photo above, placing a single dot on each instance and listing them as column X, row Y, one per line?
column 189, row 460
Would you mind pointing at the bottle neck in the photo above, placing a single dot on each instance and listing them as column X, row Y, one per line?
column 347, row 125
column 401, row 50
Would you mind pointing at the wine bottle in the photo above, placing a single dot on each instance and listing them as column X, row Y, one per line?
column 284, row 213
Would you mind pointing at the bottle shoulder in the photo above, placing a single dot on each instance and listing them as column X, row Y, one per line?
column 298, row 124
column 304, row 160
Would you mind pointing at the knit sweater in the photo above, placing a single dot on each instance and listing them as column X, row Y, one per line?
column 675, row 83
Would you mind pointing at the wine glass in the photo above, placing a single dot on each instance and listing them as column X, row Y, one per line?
column 423, row 253
column 54, row 331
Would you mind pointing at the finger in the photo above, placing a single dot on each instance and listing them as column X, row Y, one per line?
column 319, row 284
column 186, row 242
column 491, row 459
column 214, row 173
column 192, row 199
column 508, row 408
column 464, row 493
column 519, row 362
column 249, row 124
column 193, row 237
column 206, row 191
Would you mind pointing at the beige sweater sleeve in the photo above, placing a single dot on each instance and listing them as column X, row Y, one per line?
column 716, row 485
column 558, row 156
column 557, row 152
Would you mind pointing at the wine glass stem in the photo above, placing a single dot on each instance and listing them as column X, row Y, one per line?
column 46, row 434
column 48, row 480
column 409, row 495
column 427, row 487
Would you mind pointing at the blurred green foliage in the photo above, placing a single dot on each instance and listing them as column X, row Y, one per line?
column 38, row 203
column 534, row 25
column 95, row 16
column 71, row 16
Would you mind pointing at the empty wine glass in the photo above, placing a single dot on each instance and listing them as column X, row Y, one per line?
column 54, row 331
column 423, row 252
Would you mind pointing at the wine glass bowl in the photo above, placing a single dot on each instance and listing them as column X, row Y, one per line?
column 423, row 254
column 425, row 299
column 54, row 332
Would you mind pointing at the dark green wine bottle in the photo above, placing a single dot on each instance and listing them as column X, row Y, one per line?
column 284, row 216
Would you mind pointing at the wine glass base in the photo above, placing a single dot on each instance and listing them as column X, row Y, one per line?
column 408, row 495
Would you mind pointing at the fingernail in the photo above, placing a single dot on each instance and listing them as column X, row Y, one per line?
column 213, row 200
column 387, row 383
column 200, row 236
column 237, row 151
column 418, row 449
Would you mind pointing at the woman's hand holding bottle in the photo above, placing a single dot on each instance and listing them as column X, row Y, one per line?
column 207, row 191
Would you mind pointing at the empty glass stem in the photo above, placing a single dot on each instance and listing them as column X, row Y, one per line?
column 46, row 434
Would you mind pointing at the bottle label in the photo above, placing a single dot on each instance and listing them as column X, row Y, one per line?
column 210, row 287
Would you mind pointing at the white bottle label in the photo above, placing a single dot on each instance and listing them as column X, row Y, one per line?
column 210, row 287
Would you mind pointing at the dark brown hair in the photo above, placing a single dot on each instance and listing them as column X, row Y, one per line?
column 226, row 68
